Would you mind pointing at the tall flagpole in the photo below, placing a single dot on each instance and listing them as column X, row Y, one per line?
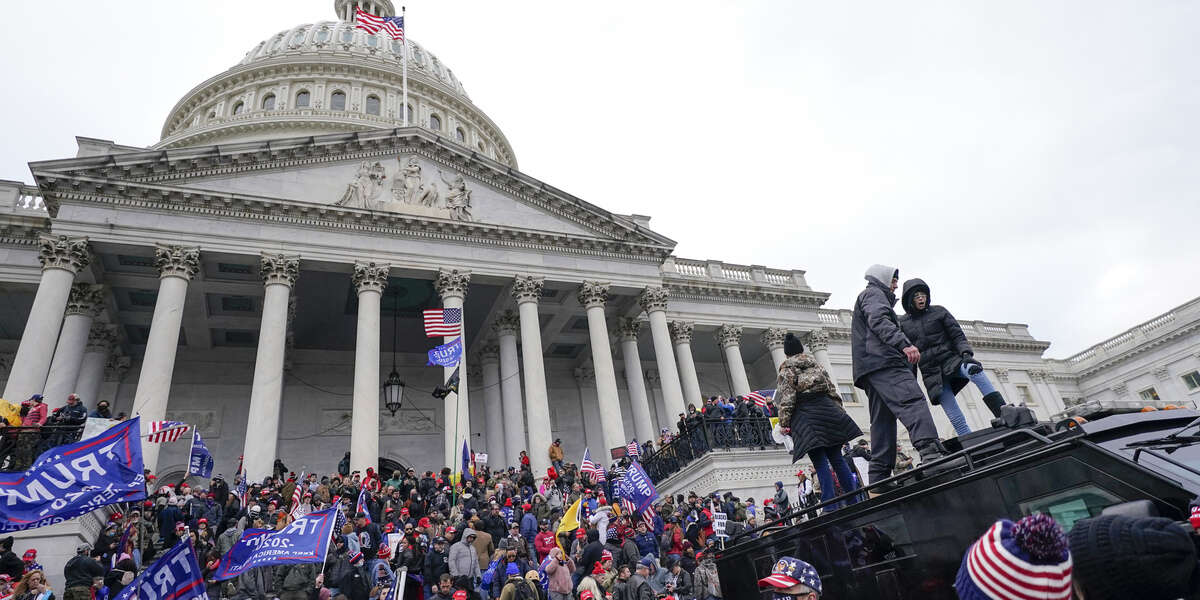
column 404, row 77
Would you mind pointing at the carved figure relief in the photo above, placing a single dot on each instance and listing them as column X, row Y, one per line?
column 411, row 192
column 368, row 182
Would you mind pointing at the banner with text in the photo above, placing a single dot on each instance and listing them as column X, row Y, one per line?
column 305, row 540
column 174, row 576
column 637, row 487
column 74, row 479
column 446, row 355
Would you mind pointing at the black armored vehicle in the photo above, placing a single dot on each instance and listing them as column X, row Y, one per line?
column 909, row 541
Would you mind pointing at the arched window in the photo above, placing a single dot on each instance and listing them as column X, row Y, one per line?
column 459, row 134
column 347, row 35
column 238, row 108
column 372, row 41
column 372, row 105
column 435, row 123
column 302, row 99
column 337, row 101
column 268, row 102
column 212, row 114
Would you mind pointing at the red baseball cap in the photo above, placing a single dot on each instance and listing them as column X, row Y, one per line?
column 30, row 554
column 461, row 595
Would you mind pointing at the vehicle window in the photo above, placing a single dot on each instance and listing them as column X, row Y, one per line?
column 1071, row 505
column 884, row 540
column 1187, row 455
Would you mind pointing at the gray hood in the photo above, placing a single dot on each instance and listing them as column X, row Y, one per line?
column 882, row 274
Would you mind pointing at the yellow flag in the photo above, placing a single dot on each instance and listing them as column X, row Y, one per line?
column 568, row 524
column 11, row 412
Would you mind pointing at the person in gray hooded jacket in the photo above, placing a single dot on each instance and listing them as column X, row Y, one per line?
column 883, row 357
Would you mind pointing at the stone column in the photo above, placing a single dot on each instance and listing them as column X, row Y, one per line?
column 818, row 344
column 1043, row 383
column 585, row 384
column 592, row 296
column 506, row 326
column 83, row 306
column 772, row 338
column 654, row 382
column 527, row 290
column 729, row 337
column 62, row 257
column 493, row 406
column 266, row 394
column 177, row 265
column 627, row 333
column 369, row 279
column 101, row 340
column 1006, row 388
column 681, row 338
column 654, row 302
column 451, row 285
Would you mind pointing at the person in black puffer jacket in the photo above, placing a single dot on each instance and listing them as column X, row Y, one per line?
column 810, row 410
column 947, row 359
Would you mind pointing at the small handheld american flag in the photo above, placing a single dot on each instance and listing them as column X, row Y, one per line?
column 592, row 470
column 442, row 321
column 633, row 450
column 166, row 431
column 760, row 397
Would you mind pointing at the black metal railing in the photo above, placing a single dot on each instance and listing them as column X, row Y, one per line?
column 699, row 439
column 19, row 446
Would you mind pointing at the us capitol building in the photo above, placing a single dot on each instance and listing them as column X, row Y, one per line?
column 260, row 272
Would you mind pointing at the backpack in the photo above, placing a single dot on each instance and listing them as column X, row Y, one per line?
column 523, row 591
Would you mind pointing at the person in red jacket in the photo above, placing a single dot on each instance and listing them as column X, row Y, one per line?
column 544, row 541
column 36, row 417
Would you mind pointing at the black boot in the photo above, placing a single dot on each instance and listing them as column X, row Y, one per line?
column 930, row 450
column 994, row 401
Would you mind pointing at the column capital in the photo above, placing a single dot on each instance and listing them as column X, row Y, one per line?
column 115, row 367
column 818, row 339
column 772, row 337
column 1120, row 389
column 628, row 329
column 585, row 375
column 652, row 376
column 681, row 331
column 527, row 288
column 452, row 283
column 729, row 335
column 279, row 268
column 370, row 276
column 1162, row 373
column 86, row 299
column 177, row 261
column 653, row 298
column 102, row 337
column 507, row 323
column 62, row 252
column 593, row 293
column 1037, row 376
column 489, row 353
column 1001, row 374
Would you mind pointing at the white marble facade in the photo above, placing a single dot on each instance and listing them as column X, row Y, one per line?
column 246, row 275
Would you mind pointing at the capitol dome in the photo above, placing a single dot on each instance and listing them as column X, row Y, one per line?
column 330, row 77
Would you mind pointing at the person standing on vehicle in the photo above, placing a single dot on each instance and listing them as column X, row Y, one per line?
column 811, row 412
column 947, row 359
column 882, row 357
column 792, row 578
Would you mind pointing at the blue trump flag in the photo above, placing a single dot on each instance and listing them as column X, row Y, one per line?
column 305, row 540
column 175, row 576
column 636, row 487
column 446, row 355
column 200, row 463
column 74, row 479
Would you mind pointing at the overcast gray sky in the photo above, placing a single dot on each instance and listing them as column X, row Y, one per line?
column 1034, row 161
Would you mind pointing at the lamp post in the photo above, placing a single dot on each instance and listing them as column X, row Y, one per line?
column 393, row 389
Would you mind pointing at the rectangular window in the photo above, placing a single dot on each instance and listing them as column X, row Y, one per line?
column 143, row 297
column 235, row 268
column 1192, row 380
column 135, row 261
column 1026, row 395
column 1148, row 395
column 847, row 394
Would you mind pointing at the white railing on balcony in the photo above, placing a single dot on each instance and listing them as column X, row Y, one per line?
column 691, row 269
column 1139, row 333
column 736, row 273
column 714, row 270
column 779, row 278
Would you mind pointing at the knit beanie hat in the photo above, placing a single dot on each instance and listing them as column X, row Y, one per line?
column 1124, row 557
column 1027, row 559
column 792, row 345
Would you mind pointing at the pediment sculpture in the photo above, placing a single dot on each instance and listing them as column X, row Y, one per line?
column 411, row 191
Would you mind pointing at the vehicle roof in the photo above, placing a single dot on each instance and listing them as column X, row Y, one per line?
column 1157, row 419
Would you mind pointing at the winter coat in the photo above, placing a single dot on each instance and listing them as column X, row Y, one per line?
column 683, row 583
column 782, row 502
column 529, row 527
column 936, row 333
column 638, row 588
column 510, row 589
column 543, row 542
column 36, row 417
column 876, row 341
column 255, row 584
column 556, row 452
column 807, row 404
column 463, row 559
column 646, row 543
column 295, row 578
column 560, row 575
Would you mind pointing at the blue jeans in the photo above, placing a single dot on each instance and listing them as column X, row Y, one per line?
column 827, row 462
column 950, row 403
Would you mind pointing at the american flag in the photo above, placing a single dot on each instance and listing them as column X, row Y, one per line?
column 373, row 24
column 339, row 519
column 594, row 471
column 630, row 509
column 648, row 517
column 442, row 321
column 295, row 509
column 166, row 431
column 361, row 505
column 760, row 397
column 240, row 477
column 632, row 449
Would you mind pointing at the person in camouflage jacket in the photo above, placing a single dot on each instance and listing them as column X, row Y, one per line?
column 811, row 412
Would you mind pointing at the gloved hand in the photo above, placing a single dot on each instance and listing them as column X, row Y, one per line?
column 974, row 367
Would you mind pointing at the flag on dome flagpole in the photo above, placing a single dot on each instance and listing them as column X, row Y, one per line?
column 591, row 469
column 442, row 321
column 166, row 431
column 760, row 397
column 373, row 24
